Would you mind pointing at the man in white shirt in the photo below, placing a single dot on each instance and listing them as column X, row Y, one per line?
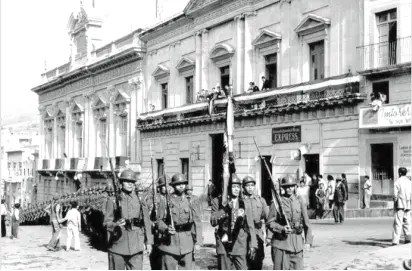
column 367, row 188
column 4, row 213
column 330, row 193
column 73, row 226
column 15, row 221
column 402, row 197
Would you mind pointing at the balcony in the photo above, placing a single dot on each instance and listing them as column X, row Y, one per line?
column 384, row 56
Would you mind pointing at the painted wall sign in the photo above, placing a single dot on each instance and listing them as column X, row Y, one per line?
column 286, row 134
column 404, row 153
column 387, row 116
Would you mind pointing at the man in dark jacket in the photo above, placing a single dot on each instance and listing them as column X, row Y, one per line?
column 339, row 201
column 345, row 183
column 265, row 84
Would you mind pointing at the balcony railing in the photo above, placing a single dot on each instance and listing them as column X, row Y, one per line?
column 384, row 54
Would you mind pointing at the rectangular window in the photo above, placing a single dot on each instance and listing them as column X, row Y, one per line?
column 382, row 88
column 387, row 32
column 49, row 142
column 317, row 60
column 164, row 95
column 79, row 139
column 185, row 167
column 271, row 69
column 160, row 167
column 62, row 142
column 224, row 77
column 189, row 90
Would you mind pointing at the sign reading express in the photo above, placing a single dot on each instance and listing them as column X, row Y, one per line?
column 286, row 134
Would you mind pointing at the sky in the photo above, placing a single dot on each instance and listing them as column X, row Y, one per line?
column 34, row 32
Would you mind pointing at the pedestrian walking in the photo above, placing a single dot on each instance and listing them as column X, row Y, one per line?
column 320, row 197
column 288, row 242
column 402, row 198
column 129, row 229
column 232, row 249
column 339, row 201
column 15, row 221
column 4, row 214
column 260, row 212
column 54, row 210
column 73, row 219
column 330, row 193
column 181, row 226
column 367, row 192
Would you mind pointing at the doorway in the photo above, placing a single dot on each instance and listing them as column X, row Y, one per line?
column 311, row 164
column 382, row 168
column 218, row 150
column 224, row 76
column 266, row 189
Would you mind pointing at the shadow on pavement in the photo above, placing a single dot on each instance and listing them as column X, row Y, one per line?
column 366, row 243
column 96, row 242
column 381, row 240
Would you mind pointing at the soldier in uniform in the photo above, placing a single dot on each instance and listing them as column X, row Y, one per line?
column 287, row 241
column 139, row 191
column 232, row 250
column 129, row 229
column 260, row 212
column 181, row 226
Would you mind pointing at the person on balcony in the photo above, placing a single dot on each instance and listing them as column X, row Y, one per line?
column 377, row 99
column 265, row 84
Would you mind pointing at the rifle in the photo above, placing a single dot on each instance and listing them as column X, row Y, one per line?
column 275, row 195
column 168, row 210
column 153, row 212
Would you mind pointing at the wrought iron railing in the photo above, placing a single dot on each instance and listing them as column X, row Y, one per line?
column 384, row 54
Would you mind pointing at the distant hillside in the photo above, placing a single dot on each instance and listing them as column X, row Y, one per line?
column 16, row 118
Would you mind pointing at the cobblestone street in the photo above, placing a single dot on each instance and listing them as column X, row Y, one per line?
column 335, row 246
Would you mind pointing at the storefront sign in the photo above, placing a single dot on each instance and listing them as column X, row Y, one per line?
column 286, row 134
column 404, row 153
column 387, row 116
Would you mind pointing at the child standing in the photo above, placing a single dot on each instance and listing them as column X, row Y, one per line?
column 320, row 198
column 73, row 226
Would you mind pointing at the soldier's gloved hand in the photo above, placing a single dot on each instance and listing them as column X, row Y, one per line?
column 241, row 212
column 252, row 253
column 121, row 222
column 287, row 229
column 148, row 248
column 171, row 230
column 307, row 247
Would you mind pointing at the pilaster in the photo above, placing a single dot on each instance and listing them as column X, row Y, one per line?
column 55, row 134
column 89, row 128
column 249, row 51
column 42, row 136
column 134, row 84
column 68, row 129
column 198, row 68
column 111, row 124
column 205, row 59
column 240, row 54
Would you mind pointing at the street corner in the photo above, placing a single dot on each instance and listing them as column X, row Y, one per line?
column 390, row 258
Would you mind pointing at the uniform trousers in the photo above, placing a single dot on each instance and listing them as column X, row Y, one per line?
column 286, row 260
column 130, row 262
column 257, row 263
column 3, row 226
column 231, row 262
column 72, row 232
column 338, row 212
column 154, row 258
column 171, row 262
column 367, row 200
column 55, row 240
column 402, row 222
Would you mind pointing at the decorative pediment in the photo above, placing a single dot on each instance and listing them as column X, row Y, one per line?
column 312, row 23
column 100, row 102
column 77, row 21
column 60, row 113
column 221, row 51
column 161, row 72
column 120, row 96
column 195, row 5
column 77, row 108
column 48, row 113
column 185, row 64
column 266, row 38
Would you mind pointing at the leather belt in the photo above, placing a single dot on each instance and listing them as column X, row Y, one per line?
column 184, row 227
column 258, row 225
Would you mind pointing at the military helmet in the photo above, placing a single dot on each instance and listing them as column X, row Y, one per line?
column 236, row 179
column 288, row 181
column 162, row 180
column 179, row 178
column 248, row 179
column 128, row 175
column 189, row 187
column 109, row 188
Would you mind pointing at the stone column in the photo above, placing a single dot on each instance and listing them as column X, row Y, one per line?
column 198, row 71
column 134, row 84
column 55, row 134
column 111, row 123
column 205, row 60
column 240, row 53
column 326, row 54
column 89, row 128
column 68, row 129
column 249, row 51
column 42, row 136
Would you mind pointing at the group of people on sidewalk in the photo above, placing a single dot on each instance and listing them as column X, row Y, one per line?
column 6, row 216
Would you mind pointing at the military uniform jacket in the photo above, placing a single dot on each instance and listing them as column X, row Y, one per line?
column 187, row 222
column 296, row 213
column 260, row 210
column 246, row 237
column 131, row 241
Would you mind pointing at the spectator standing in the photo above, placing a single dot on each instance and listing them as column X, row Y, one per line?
column 265, row 84
column 54, row 213
column 330, row 193
column 210, row 192
column 367, row 192
column 402, row 198
column 15, row 221
column 345, row 183
column 321, row 180
column 339, row 201
column 73, row 219
column 312, row 191
column 303, row 192
column 4, row 214
column 320, row 198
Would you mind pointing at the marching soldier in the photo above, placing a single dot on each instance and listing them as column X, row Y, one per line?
column 183, row 232
column 195, row 202
column 260, row 212
column 232, row 246
column 287, row 240
column 129, row 229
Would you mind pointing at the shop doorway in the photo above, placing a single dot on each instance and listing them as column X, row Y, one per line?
column 265, row 180
column 382, row 168
column 218, row 149
column 311, row 164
